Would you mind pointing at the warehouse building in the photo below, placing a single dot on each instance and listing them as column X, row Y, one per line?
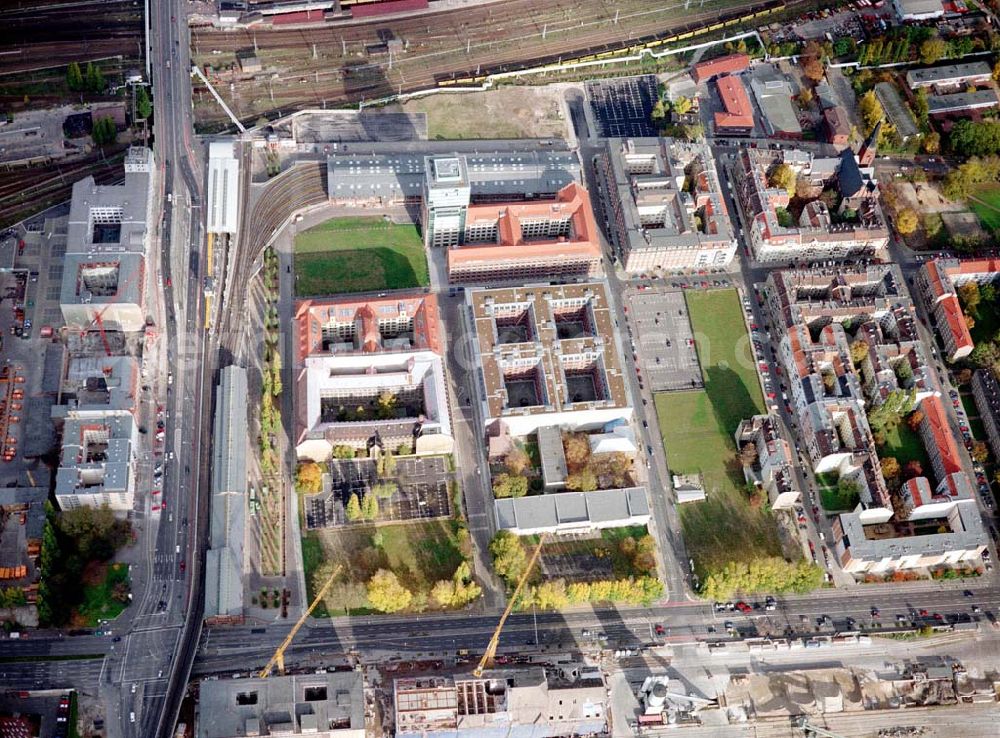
column 773, row 94
column 107, row 240
column 320, row 705
column 527, row 703
column 950, row 77
column 549, row 355
column 729, row 64
column 655, row 221
column 351, row 353
column 896, row 111
column 227, row 525
column 960, row 102
column 918, row 10
column 572, row 513
column 736, row 116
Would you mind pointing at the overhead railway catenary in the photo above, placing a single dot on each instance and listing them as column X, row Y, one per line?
column 444, row 46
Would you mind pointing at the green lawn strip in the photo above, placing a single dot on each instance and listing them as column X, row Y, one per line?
column 74, row 714
column 312, row 557
column 723, row 527
column 905, row 445
column 359, row 254
column 727, row 364
column 98, row 604
column 698, row 428
column 986, row 204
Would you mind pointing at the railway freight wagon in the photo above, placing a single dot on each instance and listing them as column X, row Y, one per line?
column 726, row 20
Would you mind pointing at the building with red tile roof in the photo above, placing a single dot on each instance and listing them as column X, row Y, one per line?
column 938, row 280
column 506, row 241
column 348, row 354
column 737, row 116
column 938, row 438
column 730, row 64
column 398, row 322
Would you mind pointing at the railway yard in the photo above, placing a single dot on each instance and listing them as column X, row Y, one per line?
column 38, row 40
column 330, row 64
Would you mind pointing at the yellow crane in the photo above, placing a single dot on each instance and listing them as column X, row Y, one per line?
column 279, row 655
column 486, row 662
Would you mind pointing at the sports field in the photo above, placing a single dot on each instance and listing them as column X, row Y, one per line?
column 358, row 254
column 698, row 427
column 986, row 204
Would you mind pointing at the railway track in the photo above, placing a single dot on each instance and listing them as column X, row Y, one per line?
column 492, row 37
column 24, row 192
column 301, row 186
column 36, row 35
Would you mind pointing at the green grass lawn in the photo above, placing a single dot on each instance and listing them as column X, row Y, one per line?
column 359, row 254
column 698, row 427
column 989, row 209
column 905, row 445
column 98, row 603
column 420, row 554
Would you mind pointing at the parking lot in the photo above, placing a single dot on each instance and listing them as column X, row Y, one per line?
column 661, row 338
column 622, row 107
column 422, row 491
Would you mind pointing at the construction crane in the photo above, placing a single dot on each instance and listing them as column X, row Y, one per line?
column 489, row 655
column 279, row 655
column 99, row 316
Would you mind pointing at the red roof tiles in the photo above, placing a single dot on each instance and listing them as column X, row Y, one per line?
column 723, row 65
column 738, row 111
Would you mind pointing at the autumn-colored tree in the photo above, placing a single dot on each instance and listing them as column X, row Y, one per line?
column 912, row 469
column 309, row 477
column 906, row 222
column 890, row 467
column 577, row 449
column 783, row 177
column 970, row 322
column 859, row 350
column 932, row 49
column 509, row 557
column 980, row 452
column 517, row 461
column 353, row 508
column 970, row 297
column 369, row 507
column 914, row 419
column 386, row 593
column 931, row 143
column 748, row 454
column 581, row 481
column 509, row 485
column 963, row 376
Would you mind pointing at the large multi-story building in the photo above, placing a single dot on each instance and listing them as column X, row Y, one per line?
column 572, row 513
column 938, row 281
column 370, row 373
column 525, row 703
column 665, row 205
column 99, row 432
column 736, row 116
column 774, row 467
column 547, row 355
column 950, row 77
column 228, row 507
column 849, row 343
column 443, row 178
column 523, row 241
column 108, row 237
column 319, row 705
column 986, row 391
column 854, row 226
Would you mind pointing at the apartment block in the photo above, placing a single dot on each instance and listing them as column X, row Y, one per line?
column 986, row 391
column 664, row 203
column 938, row 281
column 774, row 469
column 97, row 462
column 353, row 353
column 854, row 229
column 549, row 355
column 108, row 237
